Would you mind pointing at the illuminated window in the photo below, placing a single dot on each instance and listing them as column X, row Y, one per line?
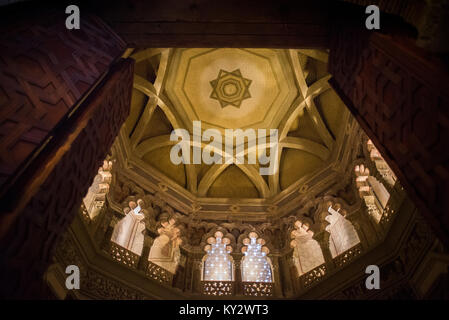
column 343, row 235
column 255, row 263
column 217, row 265
column 128, row 232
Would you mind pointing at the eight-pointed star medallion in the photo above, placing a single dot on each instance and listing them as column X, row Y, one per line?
column 230, row 88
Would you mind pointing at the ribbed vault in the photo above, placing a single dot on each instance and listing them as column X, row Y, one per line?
column 286, row 90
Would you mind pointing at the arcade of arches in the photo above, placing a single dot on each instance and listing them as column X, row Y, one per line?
column 141, row 227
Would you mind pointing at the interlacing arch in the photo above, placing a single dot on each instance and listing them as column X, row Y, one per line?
column 200, row 185
column 305, row 102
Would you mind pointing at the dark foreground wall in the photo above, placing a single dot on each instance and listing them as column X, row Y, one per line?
column 64, row 95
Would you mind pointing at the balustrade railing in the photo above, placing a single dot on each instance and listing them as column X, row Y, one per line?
column 158, row 273
column 85, row 214
column 348, row 255
column 218, row 288
column 386, row 216
column 313, row 276
column 258, row 289
column 123, row 255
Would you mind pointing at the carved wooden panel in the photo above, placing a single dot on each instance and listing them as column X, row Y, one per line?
column 123, row 255
column 290, row 24
column 92, row 283
column 158, row 273
column 313, row 276
column 44, row 70
column 400, row 98
column 218, row 288
column 27, row 247
column 348, row 255
column 258, row 289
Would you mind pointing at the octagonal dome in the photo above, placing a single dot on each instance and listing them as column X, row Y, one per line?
column 230, row 88
column 259, row 88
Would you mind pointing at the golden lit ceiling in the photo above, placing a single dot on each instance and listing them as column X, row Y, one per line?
column 224, row 88
column 270, row 87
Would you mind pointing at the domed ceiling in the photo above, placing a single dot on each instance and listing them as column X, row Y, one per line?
column 230, row 88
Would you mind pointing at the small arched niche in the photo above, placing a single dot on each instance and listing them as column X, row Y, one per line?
column 165, row 250
column 373, row 192
column 307, row 253
column 343, row 235
column 128, row 232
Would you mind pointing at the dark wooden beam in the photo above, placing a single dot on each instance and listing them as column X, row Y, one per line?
column 204, row 23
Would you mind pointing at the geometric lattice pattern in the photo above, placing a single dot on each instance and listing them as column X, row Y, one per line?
column 123, row 255
column 313, row 276
column 46, row 217
column 158, row 273
column 258, row 289
column 44, row 70
column 230, row 88
column 218, row 288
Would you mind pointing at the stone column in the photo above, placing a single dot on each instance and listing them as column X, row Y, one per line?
column 293, row 273
column 362, row 224
column 103, row 225
column 238, row 284
column 276, row 277
column 284, row 268
column 143, row 261
column 196, row 276
column 188, row 284
column 106, row 241
column 179, row 277
column 323, row 240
